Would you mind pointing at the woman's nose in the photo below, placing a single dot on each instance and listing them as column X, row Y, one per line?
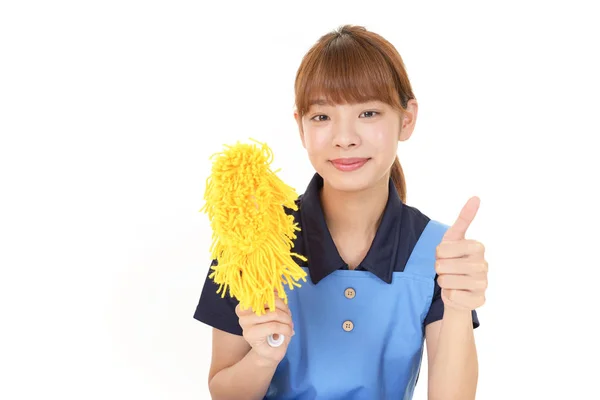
column 345, row 137
column 345, row 144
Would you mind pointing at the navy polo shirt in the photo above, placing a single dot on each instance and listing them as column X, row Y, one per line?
column 398, row 232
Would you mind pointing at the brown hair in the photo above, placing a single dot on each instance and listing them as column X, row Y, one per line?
column 353, row 65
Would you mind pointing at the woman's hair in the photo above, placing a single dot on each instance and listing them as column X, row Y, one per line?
column 353, row 65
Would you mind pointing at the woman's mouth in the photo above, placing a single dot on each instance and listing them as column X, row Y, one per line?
column 348, row 164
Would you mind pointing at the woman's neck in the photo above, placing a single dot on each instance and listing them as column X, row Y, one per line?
column 354, row 213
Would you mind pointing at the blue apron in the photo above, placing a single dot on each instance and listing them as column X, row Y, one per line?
column 358, row 337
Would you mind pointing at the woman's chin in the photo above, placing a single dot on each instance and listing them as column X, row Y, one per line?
column 355, row 181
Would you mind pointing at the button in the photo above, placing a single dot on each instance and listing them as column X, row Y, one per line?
column 349, row 293
column 348, row 326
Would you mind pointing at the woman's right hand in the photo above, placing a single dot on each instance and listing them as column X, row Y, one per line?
column 256, row 329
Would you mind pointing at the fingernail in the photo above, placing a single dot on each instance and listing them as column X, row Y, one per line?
column 293, row 332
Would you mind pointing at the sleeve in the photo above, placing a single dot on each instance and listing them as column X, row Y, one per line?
column 217, row 311
column 436, row 310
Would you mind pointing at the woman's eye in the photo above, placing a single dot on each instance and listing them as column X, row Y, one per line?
column 370, row 113
column 318, row 119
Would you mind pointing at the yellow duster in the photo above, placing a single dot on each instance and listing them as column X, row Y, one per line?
column 252, row 234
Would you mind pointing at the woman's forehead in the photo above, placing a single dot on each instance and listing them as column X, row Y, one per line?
column 324, row 102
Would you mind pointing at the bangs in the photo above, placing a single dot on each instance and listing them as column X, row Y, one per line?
column 344, row 70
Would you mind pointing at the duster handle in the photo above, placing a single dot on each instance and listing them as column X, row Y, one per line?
column 275, row 342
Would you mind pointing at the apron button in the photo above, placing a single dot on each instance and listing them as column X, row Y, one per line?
column 349, row 293
column 348, row 326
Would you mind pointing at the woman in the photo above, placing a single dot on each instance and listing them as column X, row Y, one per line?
column 384, row 278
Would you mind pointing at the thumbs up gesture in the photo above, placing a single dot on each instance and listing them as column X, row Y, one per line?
column 460, row 264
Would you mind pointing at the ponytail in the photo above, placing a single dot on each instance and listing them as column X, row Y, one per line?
column 397, row 176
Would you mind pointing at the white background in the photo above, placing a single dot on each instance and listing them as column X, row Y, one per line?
column 109, row 111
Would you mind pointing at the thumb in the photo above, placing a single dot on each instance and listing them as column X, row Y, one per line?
column 462, row 223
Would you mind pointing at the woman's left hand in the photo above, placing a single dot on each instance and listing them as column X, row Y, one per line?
column 461, row 265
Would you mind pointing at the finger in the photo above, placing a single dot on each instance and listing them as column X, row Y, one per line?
column 460, row 266
column 239, row 311
column 463, row 298
column 461, row 248
column 462, row 282
column 279, row 305
column 458, row 230
column 457, row 297
column 270, row 328
column 275, row 316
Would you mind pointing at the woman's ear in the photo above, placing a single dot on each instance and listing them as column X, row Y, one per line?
column 298, row 119
column 408, row 120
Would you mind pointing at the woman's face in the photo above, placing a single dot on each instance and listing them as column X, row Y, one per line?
column 353, row 146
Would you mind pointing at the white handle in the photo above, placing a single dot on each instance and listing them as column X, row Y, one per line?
column 275, row 342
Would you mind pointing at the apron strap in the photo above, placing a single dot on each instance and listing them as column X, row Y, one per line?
column 422, row 259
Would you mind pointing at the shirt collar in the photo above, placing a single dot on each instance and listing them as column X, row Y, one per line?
column 323, row 257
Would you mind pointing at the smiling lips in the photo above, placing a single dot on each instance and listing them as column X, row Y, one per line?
column 349, row 164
